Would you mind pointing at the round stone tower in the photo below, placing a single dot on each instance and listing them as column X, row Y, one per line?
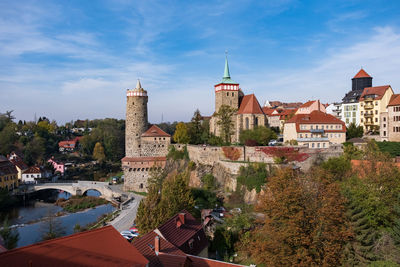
column 136, row 119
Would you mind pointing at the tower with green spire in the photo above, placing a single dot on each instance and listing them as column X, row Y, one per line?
column 227, row 92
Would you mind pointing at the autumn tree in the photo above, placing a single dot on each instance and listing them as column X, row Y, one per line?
column 304, row 223
column 225, row 122
column 181, row 134
column 98, row 152
column 166, row 197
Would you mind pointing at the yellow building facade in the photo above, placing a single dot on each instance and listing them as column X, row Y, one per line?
column 8, row 174
column 373, row 102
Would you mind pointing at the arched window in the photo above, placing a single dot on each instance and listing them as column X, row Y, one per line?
column 247, row 123
column 256, row 121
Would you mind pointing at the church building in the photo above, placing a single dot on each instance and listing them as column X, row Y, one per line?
column 249, row 112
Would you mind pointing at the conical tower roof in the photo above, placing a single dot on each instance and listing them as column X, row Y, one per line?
column 227, row 75
column 138, row 85
column 362, row 74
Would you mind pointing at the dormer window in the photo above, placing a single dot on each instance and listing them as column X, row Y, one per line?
column 191, row 241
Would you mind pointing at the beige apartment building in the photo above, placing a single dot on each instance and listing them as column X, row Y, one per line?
column 373, row 102
column 390, row 120
column 315, row 130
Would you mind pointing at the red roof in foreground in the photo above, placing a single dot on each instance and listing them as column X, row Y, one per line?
column 250, row 105
column 394, row 100
column 362, row 74
column 379, row 91
column 146, row 245
column 155, row 131
column 191, row 230
column 99, row 247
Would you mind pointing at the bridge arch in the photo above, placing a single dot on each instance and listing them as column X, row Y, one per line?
column 84, row 193
column 55, row 188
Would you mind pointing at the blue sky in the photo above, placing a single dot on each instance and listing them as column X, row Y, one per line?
column 70, row 60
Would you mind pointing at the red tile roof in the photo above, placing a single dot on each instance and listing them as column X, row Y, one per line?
column 268, row 111
column 155, row 131
column 33, row 169
column 67, row 143
column 99, row 247
column 379, row 91
column 6, row 167
column 250, row 105
column 394, row 100
column 19, row 163
column 307, row 104
column 362, row 74
column 145, row 245
column 316, row 117
column 180, row 236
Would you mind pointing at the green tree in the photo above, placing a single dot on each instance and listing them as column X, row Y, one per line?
column 253, row 176
column 98, row 152
column 8, row 138
column 261, row 135
column 195, row 129
column 181, row 134
column 35, row 150
column 338, row 167
column 225, row 122
column 9, row 236
column 354, row 131
column 164, row 201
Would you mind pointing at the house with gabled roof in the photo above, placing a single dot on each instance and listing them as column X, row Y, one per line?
column 161, row 250
column 315, row 130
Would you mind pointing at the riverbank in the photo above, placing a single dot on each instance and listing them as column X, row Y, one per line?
column 78, row 203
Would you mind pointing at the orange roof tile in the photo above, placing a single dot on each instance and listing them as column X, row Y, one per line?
column 99, row 247
column 268, row 111
column 316, row 117
column 180, row 236
column 250, row 105
column 145, row 245
column 362, row 74
column 379, row 91
column 155, row 131
column 394, row 100
column 307, row 104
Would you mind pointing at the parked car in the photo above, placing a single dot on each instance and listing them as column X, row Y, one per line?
column 127, row 234
column 273, row 142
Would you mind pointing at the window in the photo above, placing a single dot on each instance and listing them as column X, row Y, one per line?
column 362, row 120
column 227, row 94
column 318, row 145
column 247, row 123
column 362, row 112
column 301, row 136
column 384, row 133
column 323, row 144
column 312, row 145
column 376, row 119
column 376, row 112
column 376, row 103
column 233, row 94
column 191, row 241
column 384, row 125
column 384, row 118
column 141, row 186
column 256, row 121
column 316, row 127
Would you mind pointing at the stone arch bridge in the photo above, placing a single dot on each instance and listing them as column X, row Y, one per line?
column 79, row 188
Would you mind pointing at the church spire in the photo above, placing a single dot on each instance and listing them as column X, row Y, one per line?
column 226, row 72
column 227, row 75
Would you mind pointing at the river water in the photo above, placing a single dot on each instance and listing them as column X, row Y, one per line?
column 28, row 219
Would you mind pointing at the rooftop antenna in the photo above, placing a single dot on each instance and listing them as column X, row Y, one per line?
column 162, row 117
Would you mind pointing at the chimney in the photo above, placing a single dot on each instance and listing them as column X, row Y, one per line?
column 157, row 245
column 182, row 217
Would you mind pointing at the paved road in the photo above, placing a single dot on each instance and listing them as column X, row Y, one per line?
column 126, row 217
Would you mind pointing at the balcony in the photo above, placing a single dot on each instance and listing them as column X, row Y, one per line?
column 368, row 115
column 368, row 106
column 368, row 99
column 368, row 123
column 318, row 131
